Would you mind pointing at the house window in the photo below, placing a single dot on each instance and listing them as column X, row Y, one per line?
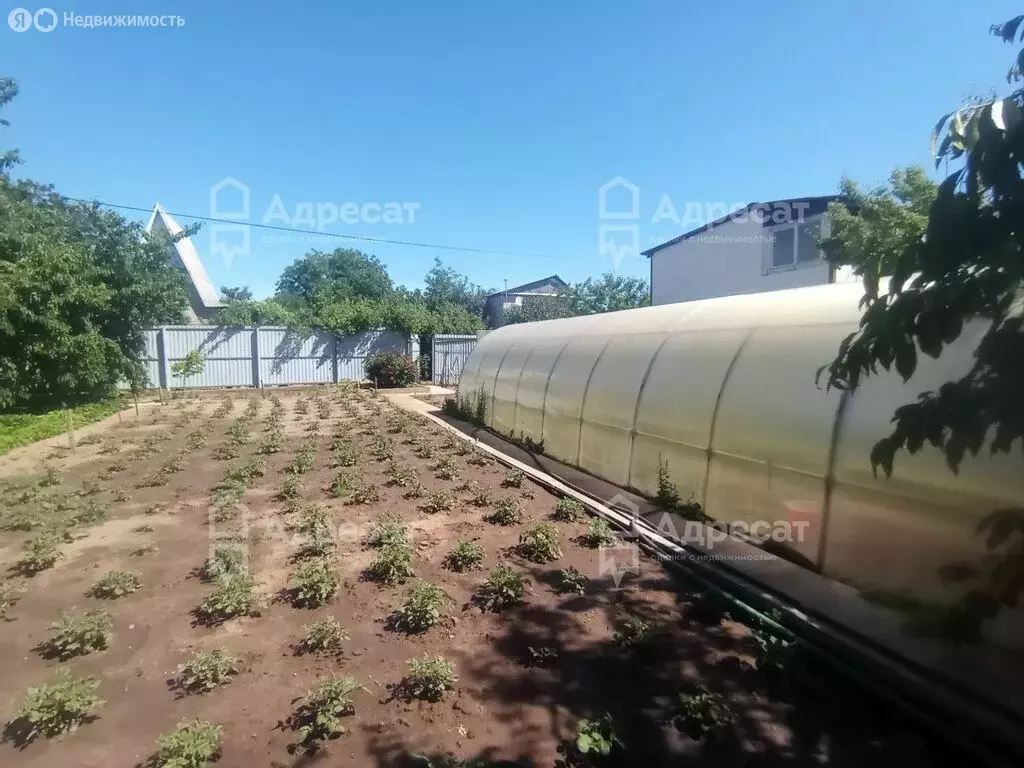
column 795, row 245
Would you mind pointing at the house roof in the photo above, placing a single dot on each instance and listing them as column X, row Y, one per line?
column 187, row 254
column 527, row 287
column 817, row 204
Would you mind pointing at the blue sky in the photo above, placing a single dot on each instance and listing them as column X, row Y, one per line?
column 500, row 119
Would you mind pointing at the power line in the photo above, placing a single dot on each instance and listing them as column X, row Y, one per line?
column 361, row 238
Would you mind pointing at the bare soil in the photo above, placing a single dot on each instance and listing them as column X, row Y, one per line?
column 502, row 707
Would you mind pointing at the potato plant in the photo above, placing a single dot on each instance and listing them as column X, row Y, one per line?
column 438, row 502
column 447, row 468
column 514, row 478
column 507, row 511
column 77, row 633
column 568, row 510
column 320, row 717
column 429, row 678
column 115, row 584
column 41, row 552
column 570, row 581
column 234, row 596
column 193, row 744
column 314, row 583
column 539, row 544
column 386, row 530
column 392, row 565
column 599, row 533
column 304, row 458
column 205, row 671
column 323, row 635
column 503, row 588
column 702, row 713
column 56, row 708
column 632, row 632
column 422, row 609
column 465, row 556
column 226, row 561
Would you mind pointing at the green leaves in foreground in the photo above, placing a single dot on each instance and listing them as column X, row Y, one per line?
column 192, row 745
column 320, row 717
column 54, row 709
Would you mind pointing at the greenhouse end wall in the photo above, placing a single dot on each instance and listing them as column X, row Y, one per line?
column 724, row 391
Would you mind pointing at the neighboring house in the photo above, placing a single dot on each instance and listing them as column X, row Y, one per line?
column 763, row 247
column 203, row 298
column 495, row 303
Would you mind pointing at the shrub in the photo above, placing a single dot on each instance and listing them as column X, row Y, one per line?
column 702, row 713
column 323, row 635
column 234, row 596
column 597, row 737
column 388, row 529
column 632, row 632
column 41, row 552
column 438, row 502
column 667, row 496
column 392, row 565
column 599, row 533
column 504, row 587
column 422, row 609
column 57, row 708
column 568, row 510
column 428, row 678
column 571, row 581
column 464, row 556
column 314, row 583
column 192, row 744
column 205, row 671
column 115, row 584
column 79, row 633
column 227, row 560
column 506, row 512
column 320, row 717
column 391, row 369
column 539, row 544
column 514, row 478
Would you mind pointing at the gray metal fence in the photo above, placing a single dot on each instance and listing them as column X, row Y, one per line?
column 450, row 352
column 265, row 356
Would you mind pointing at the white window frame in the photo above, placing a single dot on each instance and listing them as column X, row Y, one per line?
column 769, row 250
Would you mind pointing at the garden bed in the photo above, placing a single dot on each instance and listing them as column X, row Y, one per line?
column 678, row 680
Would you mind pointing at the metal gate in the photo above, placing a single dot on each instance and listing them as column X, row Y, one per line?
column 450, row 352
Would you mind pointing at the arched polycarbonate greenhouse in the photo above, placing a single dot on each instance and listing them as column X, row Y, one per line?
column 724, row 391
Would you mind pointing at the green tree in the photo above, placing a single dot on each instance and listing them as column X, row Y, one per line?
column 190, row 366
column 968, row 266
column 444, row 285
column 609, row 293
column 344, row 273
column 8, row 90
column 235, row 295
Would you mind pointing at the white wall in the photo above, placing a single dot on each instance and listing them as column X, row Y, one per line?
column 732, row 258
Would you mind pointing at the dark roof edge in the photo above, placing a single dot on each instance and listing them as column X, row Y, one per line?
column 528, row 286
column 729, row 216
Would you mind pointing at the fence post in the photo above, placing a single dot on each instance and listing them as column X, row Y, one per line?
column 164, row 359
column 256, row 381
column 334, row 359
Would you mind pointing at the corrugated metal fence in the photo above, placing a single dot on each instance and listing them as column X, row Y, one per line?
column 254, row 357
column 450, row 352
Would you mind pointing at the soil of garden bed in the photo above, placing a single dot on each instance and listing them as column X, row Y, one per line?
column 502, row 708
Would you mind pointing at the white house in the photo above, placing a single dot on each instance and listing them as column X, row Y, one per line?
column 203, row 298
column 762, row 247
